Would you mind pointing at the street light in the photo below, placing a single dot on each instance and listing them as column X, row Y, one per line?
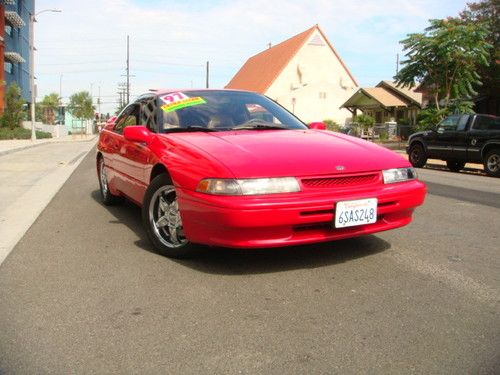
column 32, row 67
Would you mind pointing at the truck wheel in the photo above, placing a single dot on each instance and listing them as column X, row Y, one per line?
column 454, row 165
column 417, row 156
column 492, row 163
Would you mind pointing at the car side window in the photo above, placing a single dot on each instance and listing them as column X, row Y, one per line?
column 448, row 124
column 129, row 117
column 487, row 123
column 462, row 123
column 149, row 114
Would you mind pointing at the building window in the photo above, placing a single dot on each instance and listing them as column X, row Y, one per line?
column 322, row 95
column 8, row 29
column 7, row 66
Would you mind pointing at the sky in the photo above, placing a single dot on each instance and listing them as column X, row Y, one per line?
column 84, row 47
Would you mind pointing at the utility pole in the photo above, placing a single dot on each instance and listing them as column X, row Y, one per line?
column 99, row 103
column 207, row 74
column 60, row 86
column 126, row 95
column 128, row 69
column 397, row 63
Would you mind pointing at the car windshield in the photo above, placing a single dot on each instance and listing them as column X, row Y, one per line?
column 219, row 110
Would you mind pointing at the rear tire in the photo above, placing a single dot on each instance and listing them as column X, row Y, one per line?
column 454, row 165
column 417, row 155
column 492, row 162
column 162, row 220
column 107, row 198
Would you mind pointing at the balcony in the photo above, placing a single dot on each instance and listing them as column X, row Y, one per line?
column 14, row 57
column 14, row 19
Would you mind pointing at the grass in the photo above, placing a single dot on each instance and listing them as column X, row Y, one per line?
column 21, row 133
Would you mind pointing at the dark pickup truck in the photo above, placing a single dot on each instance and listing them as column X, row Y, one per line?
column 459, row 139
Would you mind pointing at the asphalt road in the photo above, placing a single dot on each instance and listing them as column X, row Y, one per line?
column 84, row 292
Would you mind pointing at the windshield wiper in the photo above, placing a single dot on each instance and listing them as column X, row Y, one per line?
column 189, row 129
column 258, row 125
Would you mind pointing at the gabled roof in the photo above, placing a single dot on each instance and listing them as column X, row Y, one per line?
column 373, row 96
column 261, row 70
column 409, row 94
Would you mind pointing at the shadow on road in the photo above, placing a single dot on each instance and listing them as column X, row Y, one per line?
column 466, row 170
column 225, row 261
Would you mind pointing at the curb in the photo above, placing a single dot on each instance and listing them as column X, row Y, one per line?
column 12, row 150
column 26, row 147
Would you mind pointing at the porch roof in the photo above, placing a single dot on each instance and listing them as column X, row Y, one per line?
column 373, row 97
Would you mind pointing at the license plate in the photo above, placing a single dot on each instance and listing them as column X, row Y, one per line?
column 358, row 212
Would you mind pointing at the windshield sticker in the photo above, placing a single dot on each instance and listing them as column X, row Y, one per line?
column 182, row 103
column 173, row 97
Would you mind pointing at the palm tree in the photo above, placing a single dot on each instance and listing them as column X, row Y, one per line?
column 50, row 104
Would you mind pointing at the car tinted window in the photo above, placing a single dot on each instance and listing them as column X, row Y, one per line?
column 449, row 124
column 222, row 110
column 487, row 123
column 462, row 123
column 129, row 117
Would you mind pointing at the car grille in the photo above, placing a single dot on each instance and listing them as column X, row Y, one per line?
column 340, row 181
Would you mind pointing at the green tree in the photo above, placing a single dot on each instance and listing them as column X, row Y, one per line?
column 487, row 12
column 80, row 105
column 14, row 107
column 445, row 59
column 50, row 105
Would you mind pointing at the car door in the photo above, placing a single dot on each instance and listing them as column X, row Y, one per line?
column 483, row 129
column 110, row 143
column 460, row 141
column 440, row 144
column 133, row 158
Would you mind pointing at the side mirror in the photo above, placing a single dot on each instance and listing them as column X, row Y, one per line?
column 317, row 126
column 137, row 134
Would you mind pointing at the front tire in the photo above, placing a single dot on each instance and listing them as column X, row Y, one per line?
column 162, row 220
column 417, row 155
column 492, row 162
column 454, row 165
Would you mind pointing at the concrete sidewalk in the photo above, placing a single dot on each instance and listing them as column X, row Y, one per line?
column 14, row 145
column 31, row 173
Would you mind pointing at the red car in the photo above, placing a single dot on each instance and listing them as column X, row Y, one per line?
column 235, row 169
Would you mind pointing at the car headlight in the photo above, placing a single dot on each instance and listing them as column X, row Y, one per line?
column 250, row 186
column 399, row 175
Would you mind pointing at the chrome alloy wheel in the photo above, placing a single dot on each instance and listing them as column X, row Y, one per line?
column 103, row 178
column 165, row 218
column 493, row 163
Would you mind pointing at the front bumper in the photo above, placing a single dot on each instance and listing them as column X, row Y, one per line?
column 290, row 219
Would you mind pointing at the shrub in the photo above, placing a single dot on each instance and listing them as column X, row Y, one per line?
column 14, row 111
column 332, row 125
column 365, row 121
column 21, row 133
column 429, row 117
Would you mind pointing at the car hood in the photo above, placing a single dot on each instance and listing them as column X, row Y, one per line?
column 270, row 153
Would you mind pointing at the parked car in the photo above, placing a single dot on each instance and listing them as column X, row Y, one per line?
column 235, row 169
column 459, row 139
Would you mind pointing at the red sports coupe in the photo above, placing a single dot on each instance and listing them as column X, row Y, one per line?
column 235, row 169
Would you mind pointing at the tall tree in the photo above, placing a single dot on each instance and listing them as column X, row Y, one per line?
column 80, row 105
column 50, row 104
column 488, row 12
column 14, row 107
column 445, row 59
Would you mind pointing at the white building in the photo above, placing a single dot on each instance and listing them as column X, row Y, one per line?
column 304, row 74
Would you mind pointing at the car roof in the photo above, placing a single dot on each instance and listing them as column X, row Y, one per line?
column 161, row 91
